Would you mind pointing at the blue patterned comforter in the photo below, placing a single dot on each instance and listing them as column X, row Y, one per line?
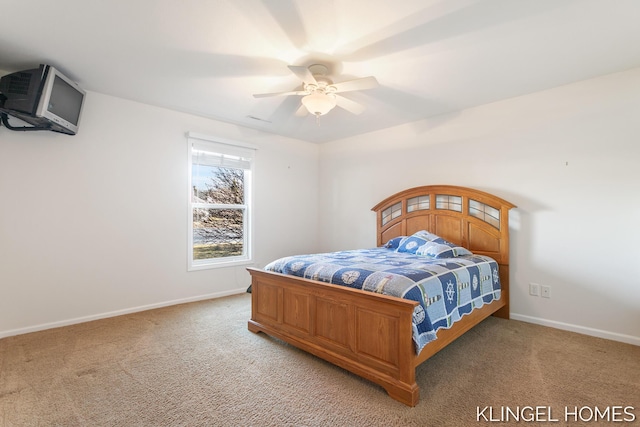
column 445, row 288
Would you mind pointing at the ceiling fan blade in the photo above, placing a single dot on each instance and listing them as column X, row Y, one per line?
column 303, row 74
column 265, row 95
column 437, row 23
column 349, row 105
column 287, row 15
column 301, row 111
column 357, row 84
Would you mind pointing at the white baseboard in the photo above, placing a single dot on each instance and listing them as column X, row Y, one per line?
column 67, row 322
column 629, row 339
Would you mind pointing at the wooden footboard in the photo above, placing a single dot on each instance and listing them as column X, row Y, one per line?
column 365, row 333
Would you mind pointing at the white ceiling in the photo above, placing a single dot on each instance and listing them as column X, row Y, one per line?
column 208, row 57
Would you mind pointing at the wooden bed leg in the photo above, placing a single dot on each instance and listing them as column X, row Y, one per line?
column 253, row 327
column 409, row 395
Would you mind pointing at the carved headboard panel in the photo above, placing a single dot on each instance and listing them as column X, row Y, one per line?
column 471, row 218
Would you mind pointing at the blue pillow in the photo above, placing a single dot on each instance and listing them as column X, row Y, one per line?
column 428, row 244
column 442, row 250
column 410, row 244
column 393, row 243
column 424, row 234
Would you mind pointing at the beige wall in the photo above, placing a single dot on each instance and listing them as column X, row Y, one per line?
column 95, row 224
column 567, row 157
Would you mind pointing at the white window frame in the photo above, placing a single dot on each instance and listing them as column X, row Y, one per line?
column 232, row 148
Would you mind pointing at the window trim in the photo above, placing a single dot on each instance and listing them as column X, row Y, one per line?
column 247, row 258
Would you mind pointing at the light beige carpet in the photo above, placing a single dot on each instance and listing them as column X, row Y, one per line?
column 198, row 365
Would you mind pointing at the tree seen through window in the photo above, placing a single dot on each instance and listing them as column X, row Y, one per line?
column 218, row 230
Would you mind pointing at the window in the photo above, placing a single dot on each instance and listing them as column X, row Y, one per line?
column 485, row 212
column 219, row 202
column 452, row 203
column 419, row 203
column 392, row 212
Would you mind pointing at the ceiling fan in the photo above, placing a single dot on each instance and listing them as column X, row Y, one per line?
column 320, row 95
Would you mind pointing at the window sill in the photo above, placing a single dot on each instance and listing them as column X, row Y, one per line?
column 219, row 264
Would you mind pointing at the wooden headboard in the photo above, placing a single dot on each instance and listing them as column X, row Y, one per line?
column 471, row 218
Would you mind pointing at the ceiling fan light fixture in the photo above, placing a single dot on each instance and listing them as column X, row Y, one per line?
column 319, row 103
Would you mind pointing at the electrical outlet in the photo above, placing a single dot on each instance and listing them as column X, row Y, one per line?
column 545, row 291
column 534, row 289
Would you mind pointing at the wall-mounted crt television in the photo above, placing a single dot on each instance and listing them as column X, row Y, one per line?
column 43, row 97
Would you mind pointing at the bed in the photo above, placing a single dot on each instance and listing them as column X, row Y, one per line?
column 371, row 334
